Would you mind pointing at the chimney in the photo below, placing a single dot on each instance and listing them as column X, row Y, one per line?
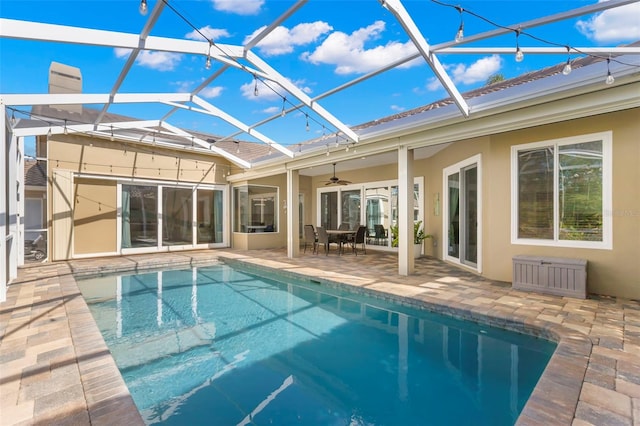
column 65, row 79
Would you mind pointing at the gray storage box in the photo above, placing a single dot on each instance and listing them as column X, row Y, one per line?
column 553, row 275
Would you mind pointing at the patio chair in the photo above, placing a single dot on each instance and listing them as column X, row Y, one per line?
column 323, row 239
column 380, row 234
column 359, row 238
column 310, row 238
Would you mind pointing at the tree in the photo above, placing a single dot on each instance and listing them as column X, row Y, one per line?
column 495, row 78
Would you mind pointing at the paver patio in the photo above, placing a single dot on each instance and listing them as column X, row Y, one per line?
column 56, row 369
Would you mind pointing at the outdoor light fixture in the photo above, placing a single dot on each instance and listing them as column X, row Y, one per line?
column 567, row 68
column 283, row 112
column 307, row 125
column 255, row 88
column 460, row 33
column 519, row 54
column 610, row 78
column 111, row 138
column 207, row 64
column 143, row 7
column 66, row 132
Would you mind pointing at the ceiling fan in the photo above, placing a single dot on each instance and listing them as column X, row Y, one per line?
column 333, row 180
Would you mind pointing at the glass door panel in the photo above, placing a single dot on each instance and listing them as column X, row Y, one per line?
column 453, row 236
column 329, row 210
column 209, row 216
column 351, row 208
column 177, row 215
column 377, row 215
column 471, row 215
column 139, row 216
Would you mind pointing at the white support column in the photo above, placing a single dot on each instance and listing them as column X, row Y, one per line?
column 291, row 211
column 12, row 206
column 20, row 206
column 4, row 180
column 405, row 211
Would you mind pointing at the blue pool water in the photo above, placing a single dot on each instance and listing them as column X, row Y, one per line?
column 214, row 345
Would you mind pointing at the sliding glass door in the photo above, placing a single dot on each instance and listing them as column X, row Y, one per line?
column 462, row 211
column 156, row 217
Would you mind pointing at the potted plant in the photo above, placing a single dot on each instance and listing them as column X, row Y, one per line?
column 418, row 237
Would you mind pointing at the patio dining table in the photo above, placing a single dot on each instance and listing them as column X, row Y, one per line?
column 343, row 235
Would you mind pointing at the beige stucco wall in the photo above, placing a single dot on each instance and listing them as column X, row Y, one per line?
column 94, row 216
column 94, row 199
column 612, row 272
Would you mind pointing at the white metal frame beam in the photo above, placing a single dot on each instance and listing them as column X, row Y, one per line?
column 397, row 9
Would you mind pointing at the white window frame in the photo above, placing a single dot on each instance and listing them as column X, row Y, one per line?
column 607, row 183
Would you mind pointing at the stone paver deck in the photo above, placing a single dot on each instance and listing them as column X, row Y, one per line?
column 56, row 369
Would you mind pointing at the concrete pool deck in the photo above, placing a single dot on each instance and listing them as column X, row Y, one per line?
column 56, row 369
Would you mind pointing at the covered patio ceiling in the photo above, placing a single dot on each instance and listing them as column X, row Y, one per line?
column 241, row 58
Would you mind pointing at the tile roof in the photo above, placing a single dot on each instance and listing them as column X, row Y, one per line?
column 35, row 173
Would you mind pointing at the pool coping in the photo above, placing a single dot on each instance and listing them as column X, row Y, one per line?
column 560, row 396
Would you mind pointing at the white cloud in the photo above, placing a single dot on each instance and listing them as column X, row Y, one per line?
column 397, row 108
column 161, row 61
column 433, row 84
column 239, row 7
column 479, row 71
column 271, row 110
column 613, row 25
column 348, row 53
column 211, row 92
column 283, row 40
column 209, row 33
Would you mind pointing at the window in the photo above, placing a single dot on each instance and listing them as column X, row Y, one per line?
column 561, row 190
column 255, row 209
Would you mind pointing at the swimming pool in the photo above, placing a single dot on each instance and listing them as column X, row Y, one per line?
column 216, row 345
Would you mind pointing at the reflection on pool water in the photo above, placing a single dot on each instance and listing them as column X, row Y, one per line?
column 214, row 345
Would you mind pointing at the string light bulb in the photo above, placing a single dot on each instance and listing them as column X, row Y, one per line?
column 283, row 112
column 567, row 68
column 238, row 148
column 13, row 118
column 460, row 33
column 144, row 8
column 306, row 127
column 609, row 80
column 66, row 131
column 207, row 63
column 255, row 88
column 519, row 53
column 111, row 137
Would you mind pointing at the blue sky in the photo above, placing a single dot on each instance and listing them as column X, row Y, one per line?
column 323, row 45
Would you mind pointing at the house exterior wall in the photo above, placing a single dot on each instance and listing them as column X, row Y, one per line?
column 263, row 240
column 94, row 222
column 613, row 272
column 83, row 173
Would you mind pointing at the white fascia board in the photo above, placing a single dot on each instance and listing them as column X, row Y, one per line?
column 238, row 161
column 90, row 98
column 240, row 125
column 397, row 9
column 273, row 75
column 27, row 30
